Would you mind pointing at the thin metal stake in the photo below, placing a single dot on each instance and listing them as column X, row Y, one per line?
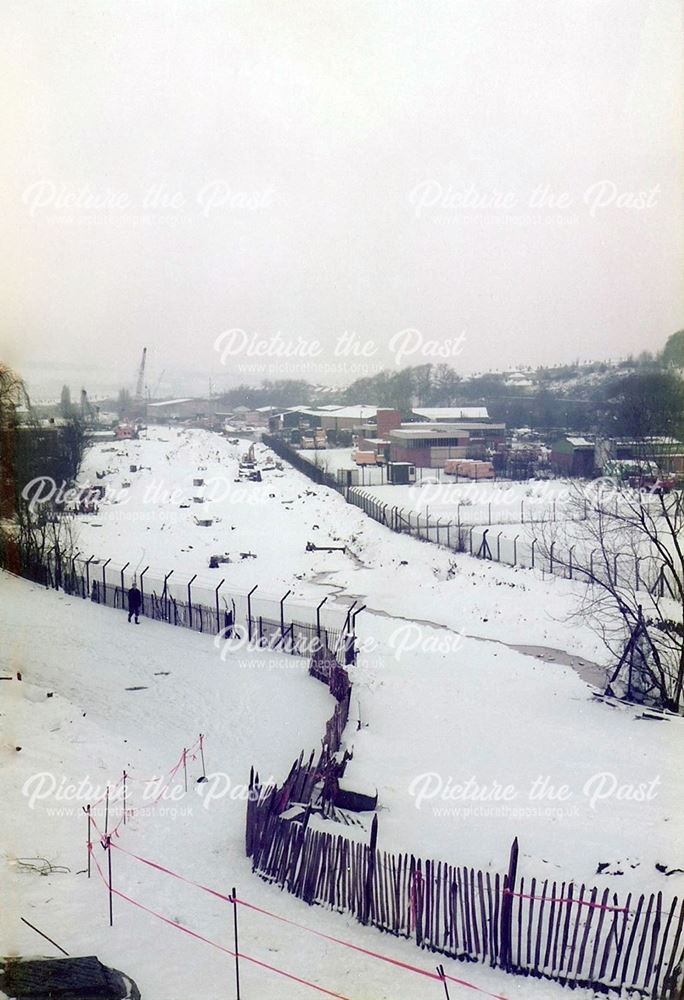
column 442, row 976
column 237, row 950
column 89, row 840
column 107, row 812
column 109, row 868
column 204, row 770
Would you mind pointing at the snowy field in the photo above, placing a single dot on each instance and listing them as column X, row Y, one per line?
column 470, row 680
column 97, row 696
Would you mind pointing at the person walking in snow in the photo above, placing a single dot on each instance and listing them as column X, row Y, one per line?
column 134, row 602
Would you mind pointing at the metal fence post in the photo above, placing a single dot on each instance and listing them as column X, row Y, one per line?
column 87, row 569
column 142, row 590
column 353, row 631
column 249, row 611
column 123, row 586
column 282, row 614
column 534, row 542
column 515, row 550
column 218, row 616
column 104, row 580
column 318, row 618
column 190, row 582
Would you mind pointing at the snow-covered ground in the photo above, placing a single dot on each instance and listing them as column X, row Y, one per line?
column 425, row 663
column 445, row 695
column 96, row 696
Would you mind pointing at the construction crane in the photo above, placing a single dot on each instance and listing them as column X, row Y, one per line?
column 140, row 385
column 89, row 413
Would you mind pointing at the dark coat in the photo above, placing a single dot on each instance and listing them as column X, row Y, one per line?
column 134, row 598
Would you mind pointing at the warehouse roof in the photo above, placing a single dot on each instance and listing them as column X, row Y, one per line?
column 452, row 412
column 580, row 442
column 173, row 402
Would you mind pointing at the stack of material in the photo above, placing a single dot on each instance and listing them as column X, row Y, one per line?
column 469, row 468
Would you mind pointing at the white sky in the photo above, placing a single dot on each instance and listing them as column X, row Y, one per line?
column 347, row 122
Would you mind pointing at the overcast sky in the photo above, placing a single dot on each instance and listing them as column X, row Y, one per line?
column 175, row 170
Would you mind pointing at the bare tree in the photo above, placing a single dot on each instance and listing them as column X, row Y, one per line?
column 29, row 532
column 627, row 545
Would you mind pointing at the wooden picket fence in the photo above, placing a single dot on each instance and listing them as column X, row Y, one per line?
column 546, row 928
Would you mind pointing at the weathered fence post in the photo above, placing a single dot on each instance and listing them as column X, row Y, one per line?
column 507, row 908
column 370, row 871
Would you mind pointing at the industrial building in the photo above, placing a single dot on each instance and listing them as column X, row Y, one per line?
column 573, row 456
column 430, row 445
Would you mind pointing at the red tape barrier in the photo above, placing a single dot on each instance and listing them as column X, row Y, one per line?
column 214, row 944
column 190, row 752
column 293, row 923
